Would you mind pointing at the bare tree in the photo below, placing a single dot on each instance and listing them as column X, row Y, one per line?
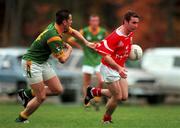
column 12, row 22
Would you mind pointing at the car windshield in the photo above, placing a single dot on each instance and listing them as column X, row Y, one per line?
column 133, row 64
column 177, row 62
column 19, row 58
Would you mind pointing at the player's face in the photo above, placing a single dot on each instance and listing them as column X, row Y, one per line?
column 68, row 23
column 94, row 21
column 132, row 24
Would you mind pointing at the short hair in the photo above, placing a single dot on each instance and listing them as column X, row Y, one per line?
column 127, row 16
column 93, row 15
column 62, row 15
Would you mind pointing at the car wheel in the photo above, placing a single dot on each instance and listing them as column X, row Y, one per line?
column 156, row 99
column 69, row 95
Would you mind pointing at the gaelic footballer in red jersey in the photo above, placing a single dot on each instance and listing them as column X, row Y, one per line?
column 115, row 50
column 117, row 45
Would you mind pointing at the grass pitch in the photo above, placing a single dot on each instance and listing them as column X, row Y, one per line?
column 75, row 116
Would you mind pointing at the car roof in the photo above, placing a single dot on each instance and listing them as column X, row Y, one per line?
column 170, row 51
column 13, row 51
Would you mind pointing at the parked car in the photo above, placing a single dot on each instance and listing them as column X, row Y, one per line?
column 164, row 64
column 141, row 83
column 12, row 79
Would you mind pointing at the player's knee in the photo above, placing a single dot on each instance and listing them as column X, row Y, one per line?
column 59, row 91
column 118, row 98
column 124, row 98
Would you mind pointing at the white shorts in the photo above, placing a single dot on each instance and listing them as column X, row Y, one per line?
column 109, row 75
column 90, row 69
column 36, row 73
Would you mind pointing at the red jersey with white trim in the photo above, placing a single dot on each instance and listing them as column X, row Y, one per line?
column 117, row 45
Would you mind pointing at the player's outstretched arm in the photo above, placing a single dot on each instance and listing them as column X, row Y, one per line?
column 78, row 35
column 66, row 53
column 73, row 42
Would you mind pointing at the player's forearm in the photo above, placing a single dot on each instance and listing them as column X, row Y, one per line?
column 78, row 35
column 66, row 55
column 111, row 62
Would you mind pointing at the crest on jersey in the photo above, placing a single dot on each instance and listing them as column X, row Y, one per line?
column 58, row 47
column 99, row 37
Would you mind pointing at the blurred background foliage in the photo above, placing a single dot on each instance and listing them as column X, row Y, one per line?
column 22, row 20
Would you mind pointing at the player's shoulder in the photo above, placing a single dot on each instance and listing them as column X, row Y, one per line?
column 120, row 33
column 103, row 29
column 51, row 31
column 52, row 35
column 85, row 29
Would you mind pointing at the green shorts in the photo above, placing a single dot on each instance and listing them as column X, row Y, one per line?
column 36, row 73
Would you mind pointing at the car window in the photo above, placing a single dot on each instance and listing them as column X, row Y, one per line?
column 133, row 64
column 177, row 62
column 6, row 63
column 19, row 58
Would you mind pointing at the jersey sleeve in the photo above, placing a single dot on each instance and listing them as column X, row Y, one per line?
column 108, row 45
column 55, row 43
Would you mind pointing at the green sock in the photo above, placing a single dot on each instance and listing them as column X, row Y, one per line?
column 28, row 93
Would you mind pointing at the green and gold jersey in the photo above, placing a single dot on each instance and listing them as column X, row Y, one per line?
column 91, row 57
column 47, row 43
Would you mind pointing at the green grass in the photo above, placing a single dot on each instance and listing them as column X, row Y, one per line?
column 74, row 116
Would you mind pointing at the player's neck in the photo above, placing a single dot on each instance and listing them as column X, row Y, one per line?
column 124, row 30
column 59, row 29
column 94, row 30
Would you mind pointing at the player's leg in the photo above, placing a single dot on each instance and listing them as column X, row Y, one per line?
column 99, row 76
column 116, row 96
column 53, row 86
column 86, row 82
column 87, row 73
column 106, row 75
column 124, row 87
column 33, row 73
column 51, row 81
column 33, row 104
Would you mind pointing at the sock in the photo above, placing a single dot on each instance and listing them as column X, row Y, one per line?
column 29, row 93
column 96, row 91
column 107, row 117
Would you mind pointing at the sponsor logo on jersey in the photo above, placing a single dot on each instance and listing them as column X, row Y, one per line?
column 120, row 44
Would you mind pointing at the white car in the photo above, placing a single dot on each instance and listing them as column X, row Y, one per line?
column 164, row 64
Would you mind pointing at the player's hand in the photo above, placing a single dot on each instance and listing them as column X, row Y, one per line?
column 91, row 45
column 123, row 72
column 66, row 45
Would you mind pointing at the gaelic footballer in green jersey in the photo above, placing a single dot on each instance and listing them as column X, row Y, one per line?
column 40, row 75
column 47, row 43
column 91, row 59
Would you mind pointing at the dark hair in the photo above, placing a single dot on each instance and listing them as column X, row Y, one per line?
column 93, row 15
column 129, row 14
column 62, row 15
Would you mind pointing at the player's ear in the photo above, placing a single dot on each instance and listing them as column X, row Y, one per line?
column 64, row 22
